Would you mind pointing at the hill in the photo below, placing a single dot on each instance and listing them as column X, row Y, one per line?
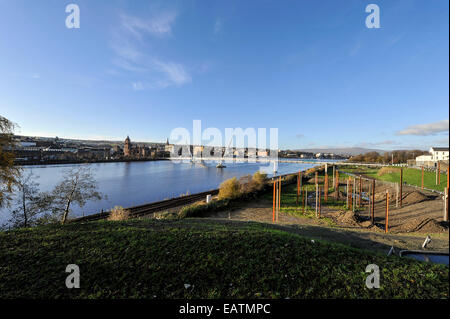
column 196, row 258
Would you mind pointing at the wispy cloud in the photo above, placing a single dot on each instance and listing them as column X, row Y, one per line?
column 300, row 136
column 175, row 72
column 137, row 86
column 426, row 129
column 355, row 49
column 218, row 26
column 158, row 25
column 129, row 44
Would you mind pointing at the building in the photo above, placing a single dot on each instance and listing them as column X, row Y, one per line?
column 137, row 151
column 263, row 153
column 127, row 147
column 198, row 151
column 420, row 160
column 168, row 147
column 437, row 154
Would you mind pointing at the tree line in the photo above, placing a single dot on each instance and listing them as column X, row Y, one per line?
column 395, row 157
column 19, row 190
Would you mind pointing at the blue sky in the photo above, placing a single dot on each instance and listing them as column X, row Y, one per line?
column 309, row 68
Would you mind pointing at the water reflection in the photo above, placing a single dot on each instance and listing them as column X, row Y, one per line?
column 135, row 183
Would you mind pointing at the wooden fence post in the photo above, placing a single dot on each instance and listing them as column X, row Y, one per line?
column 350, row 194
column 422, row 177
column 373, row 202
column 279, row 199
column 354, row 194
column 298, row 186
column 436, row 174
column 446, row 205
column 387, row 212
column 360, row 191
column 346, row 195
column 305, row 200
column 401, row 187
column 439, row 173
column 396, row 194
column 317, row 198
column 274, row 201
column 320, row 202
column 301, row 181
column 369, row 193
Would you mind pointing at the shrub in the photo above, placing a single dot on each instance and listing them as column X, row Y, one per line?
column 260, row 180
column 229, row 189
column 200, row 209
column 290, row 178
column 166, row 215
column 119, row 213
column 246, row 186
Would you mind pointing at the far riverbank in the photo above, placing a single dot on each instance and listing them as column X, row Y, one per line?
column 59, row 162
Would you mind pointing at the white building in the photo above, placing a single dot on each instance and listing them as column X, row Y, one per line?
column 424, row 158
column 439, row 154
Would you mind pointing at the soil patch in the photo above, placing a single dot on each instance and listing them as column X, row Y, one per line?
column 428, row 225
column 414, row 198
column 349, row 219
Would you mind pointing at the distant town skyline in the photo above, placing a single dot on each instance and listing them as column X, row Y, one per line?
column 312, row 70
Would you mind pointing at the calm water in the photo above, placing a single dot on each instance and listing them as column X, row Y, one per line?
column 136, row 183
column 434, row 258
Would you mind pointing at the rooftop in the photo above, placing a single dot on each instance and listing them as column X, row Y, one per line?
column 440, row 149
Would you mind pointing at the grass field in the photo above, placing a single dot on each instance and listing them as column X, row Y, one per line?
column 156, row 259
column 289, row 201
column 411, row 176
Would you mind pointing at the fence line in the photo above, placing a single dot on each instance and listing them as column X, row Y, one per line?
column 393, row 184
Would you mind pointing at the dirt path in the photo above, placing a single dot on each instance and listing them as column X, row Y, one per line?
column 421, row 212
column 347, row 230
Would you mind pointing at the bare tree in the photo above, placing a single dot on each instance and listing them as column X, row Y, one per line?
column 29, row 202
column 78, row 186
column 8, row 172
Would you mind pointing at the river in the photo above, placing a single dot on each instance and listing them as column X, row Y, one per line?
column 134, row 183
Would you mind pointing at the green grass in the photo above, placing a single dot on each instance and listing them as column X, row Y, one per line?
column 411, row 176
column 155, row 259
column 289, row 200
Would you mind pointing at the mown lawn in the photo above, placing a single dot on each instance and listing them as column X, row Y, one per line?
column 155, row 259
column 411, row 176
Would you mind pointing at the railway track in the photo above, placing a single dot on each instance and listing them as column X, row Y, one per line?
column 146, row 209
column 142, row 210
